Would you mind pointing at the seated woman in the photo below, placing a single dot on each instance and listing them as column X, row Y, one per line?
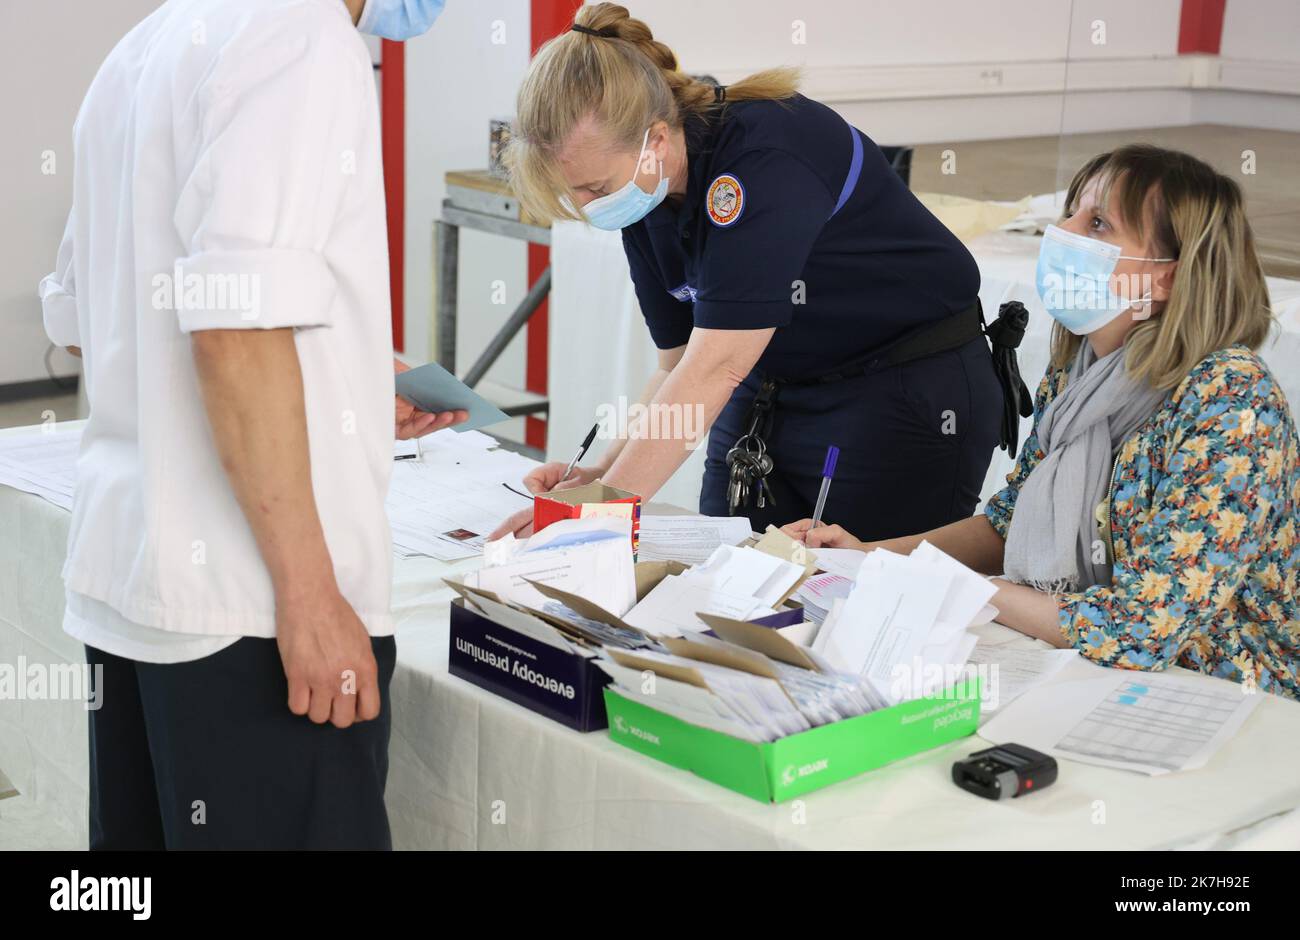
column 1151, row 517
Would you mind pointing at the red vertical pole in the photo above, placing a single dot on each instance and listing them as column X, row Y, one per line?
column 1200, row 26
column 549, row 18
column 392, row 101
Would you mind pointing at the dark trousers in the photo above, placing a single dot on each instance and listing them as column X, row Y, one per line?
column 207, row 755
column 915, row 443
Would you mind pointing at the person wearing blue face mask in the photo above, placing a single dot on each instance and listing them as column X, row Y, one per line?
column 398, row 20
column 229, row 560
column 1152, row 518
column 797, row 292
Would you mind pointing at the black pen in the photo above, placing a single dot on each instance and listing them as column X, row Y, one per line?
column 582, row 451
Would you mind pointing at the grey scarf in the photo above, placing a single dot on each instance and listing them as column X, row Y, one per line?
column 1052, row 542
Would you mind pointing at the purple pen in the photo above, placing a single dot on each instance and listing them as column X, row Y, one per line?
column 828, row 471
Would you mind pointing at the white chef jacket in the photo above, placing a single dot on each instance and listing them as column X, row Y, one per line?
column 227, row 176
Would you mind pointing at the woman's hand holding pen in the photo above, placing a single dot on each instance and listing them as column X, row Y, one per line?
column 823, row 536
column 545, row 478
column 550, row 476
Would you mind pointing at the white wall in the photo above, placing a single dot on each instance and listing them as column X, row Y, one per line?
column 740, row 34
column 49, row 52
column 457, row 79
column 1261, row 30
column 942, row 70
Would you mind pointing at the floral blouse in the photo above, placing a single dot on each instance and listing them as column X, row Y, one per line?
column 1203, row 505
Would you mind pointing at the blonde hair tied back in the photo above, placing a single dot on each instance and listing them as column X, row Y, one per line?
column 626, row 80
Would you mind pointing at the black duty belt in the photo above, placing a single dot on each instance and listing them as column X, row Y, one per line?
column 749, row 461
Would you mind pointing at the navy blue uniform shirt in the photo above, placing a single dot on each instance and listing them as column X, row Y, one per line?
column 764, row 180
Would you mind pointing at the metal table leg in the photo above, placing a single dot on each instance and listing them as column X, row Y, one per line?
column 496, row 346
column 447, row 252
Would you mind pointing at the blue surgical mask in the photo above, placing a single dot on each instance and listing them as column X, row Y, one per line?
column 1073, row 280
column 629, row 204
column 399, row 20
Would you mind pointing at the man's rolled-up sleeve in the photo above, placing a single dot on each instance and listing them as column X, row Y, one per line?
column 280, row 123
column 58, row 292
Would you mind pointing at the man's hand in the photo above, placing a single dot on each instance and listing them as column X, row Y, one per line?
column 251, row 382
column 824, row 536
column 412, row 422
column 327, row 659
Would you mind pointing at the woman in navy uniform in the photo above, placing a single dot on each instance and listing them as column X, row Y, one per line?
column 799, row 294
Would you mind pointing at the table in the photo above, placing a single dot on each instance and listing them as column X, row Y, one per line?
column 470, row 770
column 478, row 200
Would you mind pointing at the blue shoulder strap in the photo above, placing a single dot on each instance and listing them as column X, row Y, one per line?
column 855, row 170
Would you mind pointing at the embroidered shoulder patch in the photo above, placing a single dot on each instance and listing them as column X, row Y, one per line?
column 725, row 200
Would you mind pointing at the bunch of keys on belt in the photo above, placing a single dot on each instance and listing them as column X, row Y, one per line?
column 750, row 464
column 749, row 460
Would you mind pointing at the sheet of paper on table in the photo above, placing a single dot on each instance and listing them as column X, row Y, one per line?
column 1151, row 723
column 444, row 504
column 689, row 539
column 1013, row 672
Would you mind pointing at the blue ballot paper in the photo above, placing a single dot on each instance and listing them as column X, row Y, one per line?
column 430, row 387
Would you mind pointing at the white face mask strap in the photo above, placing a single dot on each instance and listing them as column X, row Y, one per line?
column 645, row 142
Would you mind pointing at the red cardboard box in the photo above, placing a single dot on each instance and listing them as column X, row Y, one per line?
column 584, row 502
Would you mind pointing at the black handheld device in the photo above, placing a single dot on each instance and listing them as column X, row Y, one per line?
column 1005, row 771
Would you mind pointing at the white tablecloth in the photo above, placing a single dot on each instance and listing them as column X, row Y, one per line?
column 469, row 770
column 600, row 348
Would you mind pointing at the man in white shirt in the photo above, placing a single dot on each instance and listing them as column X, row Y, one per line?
column 225, row 275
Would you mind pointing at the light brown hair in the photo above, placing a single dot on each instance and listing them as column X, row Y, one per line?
column 627, row 80
column 1196, row 215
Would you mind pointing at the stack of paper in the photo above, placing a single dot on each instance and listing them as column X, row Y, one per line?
column 590, row 558
column 689, row 539
column 819, row 592
column 748, row 682
column 41, row 462
column 904, row 625
column 739, row 583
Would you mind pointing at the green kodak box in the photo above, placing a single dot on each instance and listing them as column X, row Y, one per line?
column 799, row 763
